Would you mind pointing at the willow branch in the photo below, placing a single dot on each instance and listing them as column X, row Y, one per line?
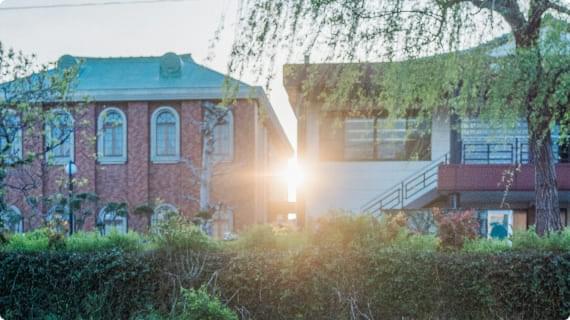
column 558, row 7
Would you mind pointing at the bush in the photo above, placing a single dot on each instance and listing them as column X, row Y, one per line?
column 456, row 227
column 37, row 240
column 177, row 233
column 70, row 285
column 416, row 242
column 199, row 305
column 350, row 267
column 256, row 237
column 93, row 241
column 43, row 240
column 312, row 283
column 483, row 245
column 357, row 231
column 529, row 240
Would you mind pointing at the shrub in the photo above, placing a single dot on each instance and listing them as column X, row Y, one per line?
column 346, row 231
column 455, row 227
column 257, row 237
column 131, row 241
column 37, row 240
column 313, row 283
column 483, row 245
column 525, row 240
column 177, row 233
column 199, row 305
column 44, row 239
column 416, row 242
column 70, row 285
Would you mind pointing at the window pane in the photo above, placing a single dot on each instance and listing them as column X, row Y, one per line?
column 166, row 134
column 10, row 136
column 391, row 139
column 61, row 135
column 223, row 139
column 359, row 139
column 113, row 135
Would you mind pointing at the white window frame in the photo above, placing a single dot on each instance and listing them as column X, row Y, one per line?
column 153, row 147
column 230, row 155
column 100, row 134
column 19, row 227
column 17, row 147
column 71, row 141
column 121, row 230
column 158, row 213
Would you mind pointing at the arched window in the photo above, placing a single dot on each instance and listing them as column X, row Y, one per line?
column 109, row 220
column 224, row 138
column 161, row 212
column 13, row 220
column 10, row 135
column 59, row 137
column 112, row 137
column 165, row 135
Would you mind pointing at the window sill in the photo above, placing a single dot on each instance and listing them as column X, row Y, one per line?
column 59, row 162
column 111, row 161
column 165, row 161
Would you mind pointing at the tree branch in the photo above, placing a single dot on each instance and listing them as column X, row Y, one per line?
column 558, row 7
column 508, row 9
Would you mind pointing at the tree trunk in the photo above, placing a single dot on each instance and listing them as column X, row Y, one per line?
column 545, row 186
column 539, row 117
column 206, row 174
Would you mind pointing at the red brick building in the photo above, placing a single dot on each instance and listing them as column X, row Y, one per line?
column 141, row 132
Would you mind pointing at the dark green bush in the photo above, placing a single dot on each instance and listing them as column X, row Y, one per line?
column 313, row 283
column 349, row 268
column 98, row 285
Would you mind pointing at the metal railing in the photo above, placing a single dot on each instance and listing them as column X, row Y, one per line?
column 399, row 194
column 495, row 153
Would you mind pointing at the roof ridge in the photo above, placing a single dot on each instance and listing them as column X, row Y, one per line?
column 188, row 54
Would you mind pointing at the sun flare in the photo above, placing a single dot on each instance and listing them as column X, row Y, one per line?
column 295, row 177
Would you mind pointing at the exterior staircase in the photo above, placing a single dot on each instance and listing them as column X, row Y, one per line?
column 412, row 192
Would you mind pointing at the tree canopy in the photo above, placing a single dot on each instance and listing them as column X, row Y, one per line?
column 503, row 60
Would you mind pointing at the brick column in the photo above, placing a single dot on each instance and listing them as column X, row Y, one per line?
column 138, row 161
column 85, row 155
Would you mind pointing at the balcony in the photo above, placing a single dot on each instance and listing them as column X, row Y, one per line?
column 493, row 166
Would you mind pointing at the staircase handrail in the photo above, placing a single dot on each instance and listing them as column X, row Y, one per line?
column 400, row 185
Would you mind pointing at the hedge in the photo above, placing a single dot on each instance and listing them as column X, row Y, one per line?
column 313, row 283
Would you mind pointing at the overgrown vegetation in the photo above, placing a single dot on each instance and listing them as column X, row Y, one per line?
column 345, row 268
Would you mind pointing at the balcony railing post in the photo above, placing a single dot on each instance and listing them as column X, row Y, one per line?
column 402, row 190
column 516, row 159
column 488, row 153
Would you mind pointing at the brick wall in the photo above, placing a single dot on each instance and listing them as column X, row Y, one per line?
column 139, row 181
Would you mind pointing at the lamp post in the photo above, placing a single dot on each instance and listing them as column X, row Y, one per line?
column 71, row 170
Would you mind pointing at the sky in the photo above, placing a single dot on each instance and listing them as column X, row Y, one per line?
column 104, row 29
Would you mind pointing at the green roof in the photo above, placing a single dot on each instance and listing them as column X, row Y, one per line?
column 163, row 78
column 168, row 77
